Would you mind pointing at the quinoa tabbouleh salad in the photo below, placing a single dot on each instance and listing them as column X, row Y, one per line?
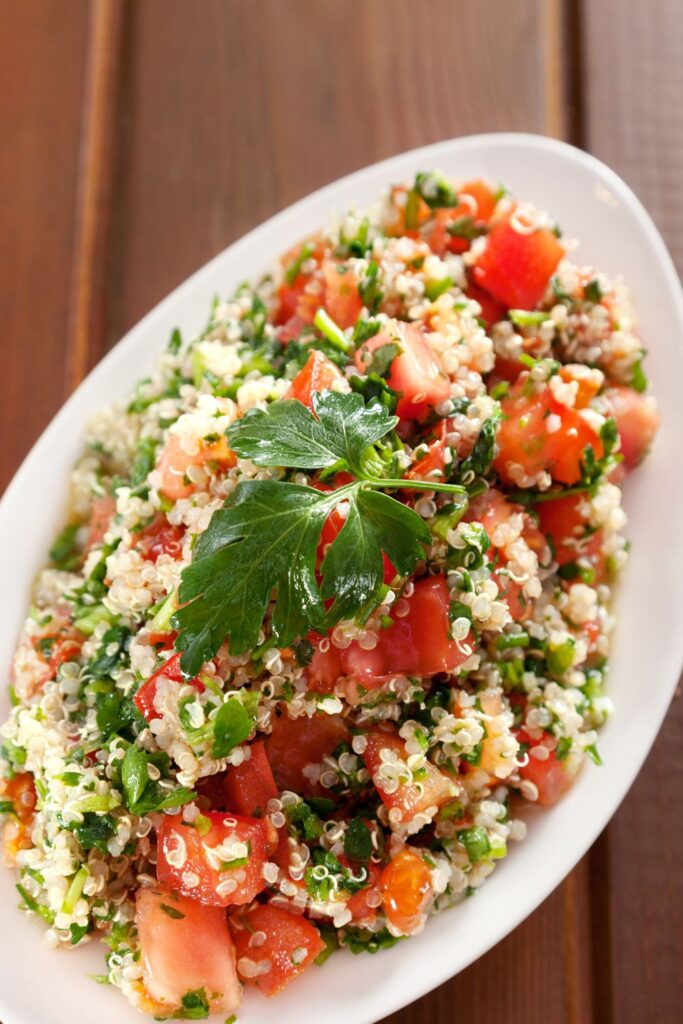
column 332, row 604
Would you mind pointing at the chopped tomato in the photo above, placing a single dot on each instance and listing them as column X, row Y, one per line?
column 250, row 785
column 566, row 523
column 325, row 667
column 170, row 669
column 516, row 266
column 295, row 745
column 416, row 643
column 492, row 510
column 492, row 311
column 637, row 419
column 407, row 890
column 174, row 463
column 588, row 380
column 451, row 226
column 294, row 298
column 363, row 904
column 288, row 300
column 16, row 836
column 185, row 946
column 101, row 514
column 432, row 789
column 287, row 944
column 541, row 434
column 591, row 631
column 161, row 538
column 219, row 861
column 291, row 329
column 63, row 651
column 342, row 300
column 319, row 374
column 415, row 372
column 551, row 776
column 484, row 196
column 431, row 466
column 399, row 195
column 21, row 793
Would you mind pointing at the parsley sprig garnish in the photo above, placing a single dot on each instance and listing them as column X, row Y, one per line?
column 261, row 546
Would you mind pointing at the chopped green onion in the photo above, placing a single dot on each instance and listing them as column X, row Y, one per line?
column 334, row 334
column 74, row 891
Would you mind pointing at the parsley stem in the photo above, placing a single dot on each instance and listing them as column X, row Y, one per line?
column 417, row 485
column 332, row 331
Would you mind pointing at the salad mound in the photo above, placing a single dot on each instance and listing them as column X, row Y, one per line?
column 333, row 603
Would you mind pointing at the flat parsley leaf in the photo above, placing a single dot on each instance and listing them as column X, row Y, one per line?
column 262, row 545
column 288, row 434
column 265, row 538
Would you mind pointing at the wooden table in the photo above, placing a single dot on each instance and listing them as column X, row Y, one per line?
column 139, row 139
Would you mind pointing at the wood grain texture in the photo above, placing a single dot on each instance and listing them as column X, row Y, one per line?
column 43, row 51
column 89, row 317
column 633, row 119
column 233, row 114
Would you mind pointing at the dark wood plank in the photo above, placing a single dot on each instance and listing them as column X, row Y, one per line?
column 95, row 237
column 633, row 119
column 235, row 109
column 43, row 49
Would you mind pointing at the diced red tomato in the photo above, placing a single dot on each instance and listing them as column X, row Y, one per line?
column 288, row 299
column 63, row 651
column 407, row 890
column 207, row 869
column 417, row 643
column 433, row 789
column 515, row 267
column 291, row 329
column 565, row 522
column 484, row 196
column 101, row 515
column 398, row 196
column 185, row 946
column 250, row 785
column 161, row 538
column 291, row 945
column 477, row 201
column 637, row 419
column 363, row 904
column 551, row 776
column 174, row 463
column 492, row 311
column 319, row 374
column 170, row 669
column 21, row 792
column 325, row 667
column 297, row 743
column 589, row 382
column 431, row 466
column 524, row 439
column 415, row 373
column 492, row 509
column 294, row 299
column 507, row 370
column 342, row 300
column 591, row 631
